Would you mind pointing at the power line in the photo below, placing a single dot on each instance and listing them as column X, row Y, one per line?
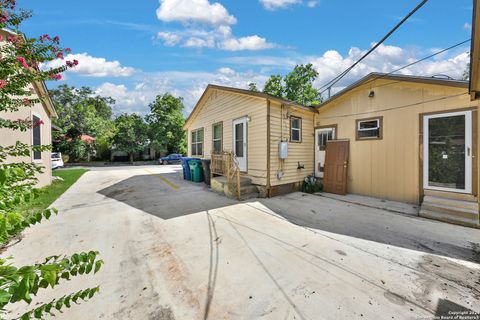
column 341, row 75
column 413, row 63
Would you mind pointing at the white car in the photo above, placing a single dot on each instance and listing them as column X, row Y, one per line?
column 57, row 161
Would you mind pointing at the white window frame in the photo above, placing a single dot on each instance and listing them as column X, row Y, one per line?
column 197, row 142
column 468, row 151
column 218, row 139
column 296, row 129
column 378, row 127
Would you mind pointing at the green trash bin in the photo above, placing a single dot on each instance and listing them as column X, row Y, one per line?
column 196, row 170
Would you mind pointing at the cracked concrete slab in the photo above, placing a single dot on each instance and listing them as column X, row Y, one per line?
column 189, row 253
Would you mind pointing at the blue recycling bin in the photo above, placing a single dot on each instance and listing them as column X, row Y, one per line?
column 186, row 168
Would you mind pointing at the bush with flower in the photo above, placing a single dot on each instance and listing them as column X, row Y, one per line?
column 20, row 61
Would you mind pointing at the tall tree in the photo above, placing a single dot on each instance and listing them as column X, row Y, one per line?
column 82, row 112
column 131, row 135
column 274, row 86
column 295, row 86
column 166, row 122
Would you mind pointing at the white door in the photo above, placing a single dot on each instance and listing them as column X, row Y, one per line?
column 321, row 137
column 240, row 142
column 447, row 161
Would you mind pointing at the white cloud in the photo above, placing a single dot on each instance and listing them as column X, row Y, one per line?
column 197, row 11
column 194, row 42
column 206, row 25
column 467, row 26
column 189, row 85
column 278, row 4
column 252, row 43
column 385, row 59
column 282, row 4
column 92, row 66
column 170, row 39
column 220, row 38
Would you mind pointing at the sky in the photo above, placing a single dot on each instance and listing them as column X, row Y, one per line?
column 135, row 50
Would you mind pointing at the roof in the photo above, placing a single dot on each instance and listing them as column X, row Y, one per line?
column 397, row 78
column 475, row 53
column 39, row 85
column 246, row 92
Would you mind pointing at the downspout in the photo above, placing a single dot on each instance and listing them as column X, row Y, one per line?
column 268, row 147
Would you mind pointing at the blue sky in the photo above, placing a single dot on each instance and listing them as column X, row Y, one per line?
column 133, row 50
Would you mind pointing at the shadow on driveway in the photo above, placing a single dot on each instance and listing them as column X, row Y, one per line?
column 165, row 195
column 377, row 225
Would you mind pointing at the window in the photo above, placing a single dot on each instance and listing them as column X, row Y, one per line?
column 217, row 136
column 197, row 142
column 37, row 139
column 369, row 129
column 295, row 129
column 324, row 135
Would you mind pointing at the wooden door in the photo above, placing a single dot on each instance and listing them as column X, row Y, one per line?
column 336, row 167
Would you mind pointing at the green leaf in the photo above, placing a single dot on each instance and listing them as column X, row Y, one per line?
column 59, row 304
column 51, row 277
column 89, row 267
column 81, row 270
column 98, row 265
column 38, row 312
column 4, row 297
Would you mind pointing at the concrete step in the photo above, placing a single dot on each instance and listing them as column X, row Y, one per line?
column 451, row 210
column 451, row 195
column 247, row 189
column 244, row 181
column 248, row 192
column 451, row 202
column 446, row 217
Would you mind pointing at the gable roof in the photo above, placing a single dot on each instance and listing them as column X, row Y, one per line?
column 245, row 92
column 397, row 78
column 39, row 85
column 475, row 54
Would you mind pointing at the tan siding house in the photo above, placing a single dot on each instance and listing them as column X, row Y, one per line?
column 412, row 139
column 42, row 111
column 258, row 122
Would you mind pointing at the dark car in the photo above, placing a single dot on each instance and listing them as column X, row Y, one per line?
column 171, row 158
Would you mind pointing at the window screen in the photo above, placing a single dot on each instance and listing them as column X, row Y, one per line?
column 37, row 139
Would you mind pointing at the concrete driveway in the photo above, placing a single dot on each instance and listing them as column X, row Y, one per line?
column 176, row 250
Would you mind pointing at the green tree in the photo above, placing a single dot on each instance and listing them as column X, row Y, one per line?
column 20, row 58
column 295, row 86
column 131, row 135
column 166, row 122
column 275, row 87
column 82, row 112
column 252, row 86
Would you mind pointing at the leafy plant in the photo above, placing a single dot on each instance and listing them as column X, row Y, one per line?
column 296, row 86
column 20, row 76
column 165, row 124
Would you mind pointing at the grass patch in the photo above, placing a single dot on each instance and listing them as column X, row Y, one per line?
column 52, row 192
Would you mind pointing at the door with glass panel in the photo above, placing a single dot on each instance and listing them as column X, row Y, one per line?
column 447, row 161
column 322, row 135
column 240, row 142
